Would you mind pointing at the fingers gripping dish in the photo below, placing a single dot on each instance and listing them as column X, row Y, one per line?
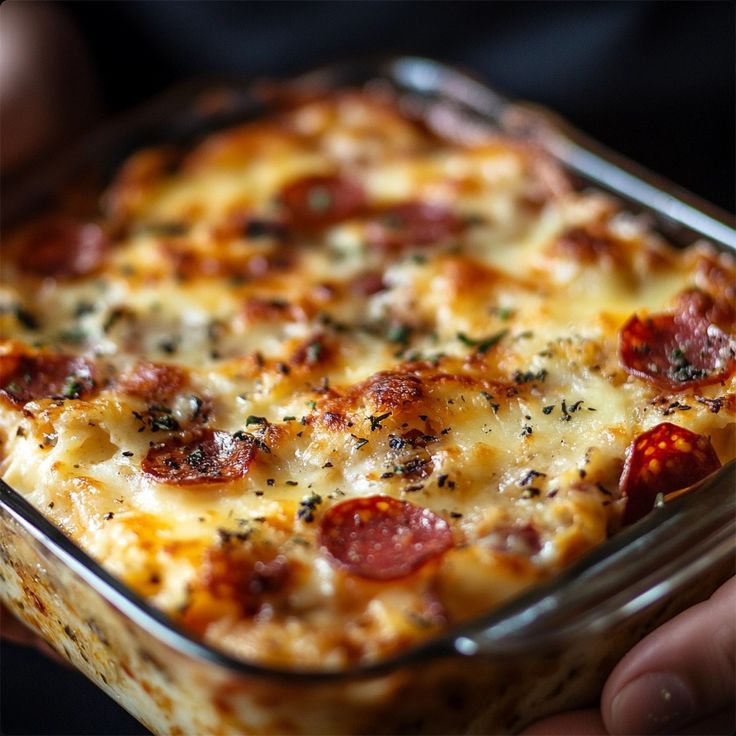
column 327, row 384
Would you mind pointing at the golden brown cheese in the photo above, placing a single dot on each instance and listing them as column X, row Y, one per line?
column 326, row 385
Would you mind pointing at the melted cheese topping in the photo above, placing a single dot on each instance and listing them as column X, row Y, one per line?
column 470, row 367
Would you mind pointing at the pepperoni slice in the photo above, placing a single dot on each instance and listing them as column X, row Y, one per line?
column 412, row 223
column 61, row 247
column 662, row 460
column 235, row 579
column 154, row 382
column 676, row 351
column 381, row 538
column 25, row 378
column 318, row 201
column 200, row 456
column 367, row 283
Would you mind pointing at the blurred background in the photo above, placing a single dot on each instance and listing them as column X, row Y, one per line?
column 655, row 81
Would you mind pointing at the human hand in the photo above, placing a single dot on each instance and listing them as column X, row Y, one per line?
column 47, row 95
column 681, row 679
column 47, row 87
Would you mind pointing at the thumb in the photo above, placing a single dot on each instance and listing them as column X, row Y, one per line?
column 681, row 672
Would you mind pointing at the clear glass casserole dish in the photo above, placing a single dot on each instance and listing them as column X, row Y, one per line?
column 549, row 649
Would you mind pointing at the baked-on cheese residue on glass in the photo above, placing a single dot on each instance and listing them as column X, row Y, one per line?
column 326, row 385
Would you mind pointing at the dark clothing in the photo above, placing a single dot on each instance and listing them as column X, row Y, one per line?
column 654, row 81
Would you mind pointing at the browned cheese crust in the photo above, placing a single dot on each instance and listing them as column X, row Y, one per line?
column 326, row 385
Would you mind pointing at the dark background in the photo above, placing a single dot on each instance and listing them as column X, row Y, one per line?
column 654, row 81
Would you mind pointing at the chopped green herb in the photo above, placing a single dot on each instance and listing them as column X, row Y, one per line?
column 226, row 536
column 314, row 352
column 399, row 334
column 527, row 376
column 482, row 345
column 410, row 466
column 491, row 401
column 168, row 345
column 72, row 388
column 165, row 422
column 83, row 308
column 396, row 443
column 113, row 318
column 261, row 445
column 196, row 458
column 252, row 419
column 530, row 476
column 74, row 335
column 376, row 421
column 319, row 199
column 307, row 507
column 26, row 318
column 504, row 313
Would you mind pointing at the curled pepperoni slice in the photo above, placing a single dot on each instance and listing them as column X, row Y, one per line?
column 63, row 248
column 318, row 201
column 662, row 460
column 412, row 223
column 381, row 538
column 25, row 378
column 200, row 456
column 677, row 351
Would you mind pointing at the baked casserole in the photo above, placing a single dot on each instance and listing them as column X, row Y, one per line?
column 327, row 384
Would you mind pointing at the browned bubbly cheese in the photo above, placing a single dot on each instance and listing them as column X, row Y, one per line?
column 326, row 385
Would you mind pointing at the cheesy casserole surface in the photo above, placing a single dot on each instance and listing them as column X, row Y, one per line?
column 326, row 384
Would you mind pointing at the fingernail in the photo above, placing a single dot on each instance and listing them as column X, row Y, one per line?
column 653, row 703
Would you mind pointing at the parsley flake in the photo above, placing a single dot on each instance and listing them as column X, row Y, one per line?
column 376, row 420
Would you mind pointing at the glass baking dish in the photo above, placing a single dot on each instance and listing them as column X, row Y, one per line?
column 547, row 650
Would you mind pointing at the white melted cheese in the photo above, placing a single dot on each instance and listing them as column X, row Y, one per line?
column 529, row 433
